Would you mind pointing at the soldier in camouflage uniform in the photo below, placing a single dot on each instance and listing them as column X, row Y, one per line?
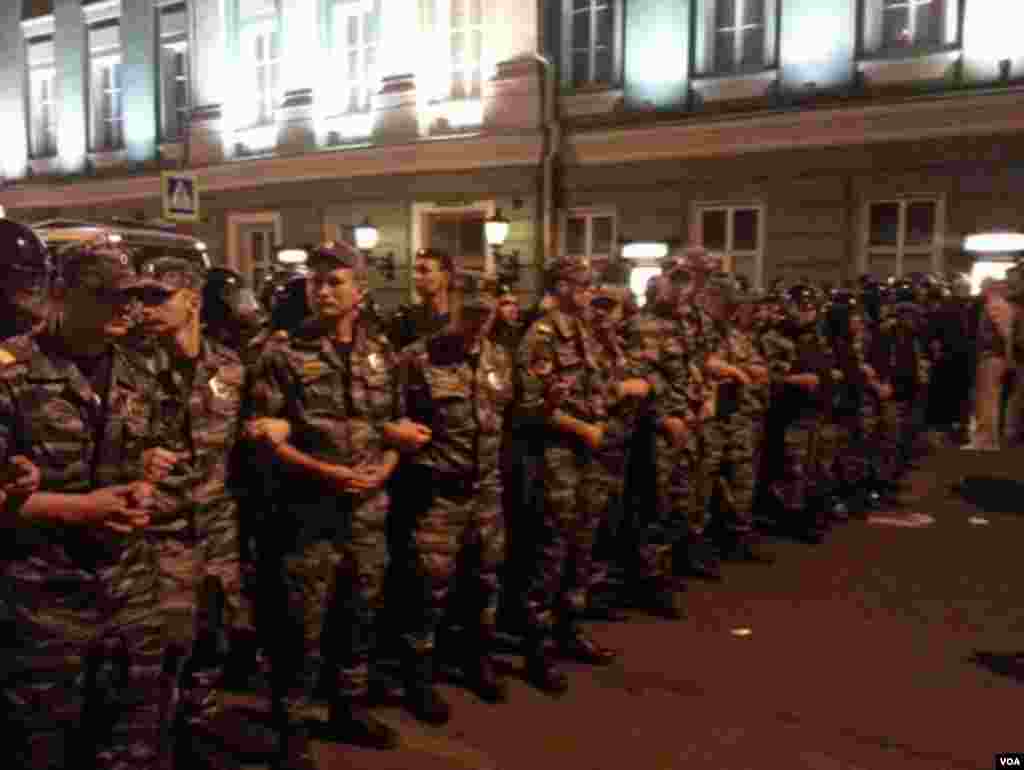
column 83, row 682
column 24, row 296
column 333, row 381
column 457, row 384
column 732, row 434
column 434, row 277
column 195, row 520
column 656, row 345
column 623, row 398
column 558, row 377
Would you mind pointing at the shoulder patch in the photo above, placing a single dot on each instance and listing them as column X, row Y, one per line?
column 7, row 357
column 543, row 327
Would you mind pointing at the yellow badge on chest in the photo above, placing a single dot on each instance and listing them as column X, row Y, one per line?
column 313, row 369
column 219, row 389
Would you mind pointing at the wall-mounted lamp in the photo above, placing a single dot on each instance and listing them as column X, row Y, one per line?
column 997, row 242
column 644, row 250
column 367, row 237
column 496, row 229
column 292, row 256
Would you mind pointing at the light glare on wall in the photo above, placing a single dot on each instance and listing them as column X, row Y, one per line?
column 292, row 256
column 645, row 250
column 994, row 243
column 638, row 278
column 983, row 269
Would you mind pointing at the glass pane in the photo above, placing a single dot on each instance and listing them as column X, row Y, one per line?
column 371, row 60
column 115, row 72
column 476, row 12
column 753, row 12
column 275, row 78
column 714, row 228
column 351, row 30
column 725, row 14
column 602, row 237
column 885, row 218
column 257, row 52
column 106, row 107
column 753, row 49
column 115, row 104
column 580, row 5
column 896, row 27
column 180, row 99
column 603, row 65
column 920, row 224
column 275, row 44
column 352, row 69
column 369, row 28
column 604, row 28
column 44, row 90
column 179, row 64
column 477, row 36
column 725, row 54
column 745, row 230
column 928, row 24
column 457, row 51
column 581, row 30
column 471, row 236
column 576, row 235
column 580, row 66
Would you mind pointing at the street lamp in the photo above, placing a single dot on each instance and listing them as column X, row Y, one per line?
column 367, row 237
column 994, row 254
column 496, row 232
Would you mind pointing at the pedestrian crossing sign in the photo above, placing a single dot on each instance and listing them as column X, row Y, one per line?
column 181, row 196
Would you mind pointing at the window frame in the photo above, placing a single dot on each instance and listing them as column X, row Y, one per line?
column 244, row 28
column 170, row 46
column 104, row 56
column 899, row 252
column 41, row 69
column 705, row 35
column 870, row 26
column 729, row 253
column 589, row 214
column 618, row 33
column 333, row 36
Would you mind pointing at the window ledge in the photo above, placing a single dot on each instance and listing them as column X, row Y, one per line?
column 591, row 101
column 254, row 140
column 908, row 67
column 746, row 85
column 346, row 128
column 108, row 158
column 44, row 166
column 454, row 116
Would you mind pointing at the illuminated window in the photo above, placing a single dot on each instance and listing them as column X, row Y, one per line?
column 590, row 234
column 466, row 48
column 590, row 42
column 42, row 101
column 354, row 41
column 735, row 36
column 899, row 25
column 175, row 102
column 903, row 236
column 737, row 233
column 259, row 46
column 106, row 97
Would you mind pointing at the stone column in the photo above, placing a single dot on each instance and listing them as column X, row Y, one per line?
column 139, row 78
column 303, row 62
column 210, row 63
column 71, row 58
column 396, row 118
column 14, row 147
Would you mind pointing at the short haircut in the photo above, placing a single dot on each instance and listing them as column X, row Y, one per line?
column 442, row 257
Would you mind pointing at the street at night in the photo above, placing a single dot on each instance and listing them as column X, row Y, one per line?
column 885, row 648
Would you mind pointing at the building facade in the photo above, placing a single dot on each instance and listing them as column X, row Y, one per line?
column 815, row 139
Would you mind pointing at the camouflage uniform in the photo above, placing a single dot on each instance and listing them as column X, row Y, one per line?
column 906, row 367
column 462, row 527
column 332, row 550
column 732, row 435
column 661, row 352
column 558, row 348
column 83, row 635
column 195, row 523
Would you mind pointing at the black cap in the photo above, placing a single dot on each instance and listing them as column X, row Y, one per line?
column 22, row 250
column 334, row 255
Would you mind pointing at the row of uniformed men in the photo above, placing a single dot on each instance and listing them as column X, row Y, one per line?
column 134, row 510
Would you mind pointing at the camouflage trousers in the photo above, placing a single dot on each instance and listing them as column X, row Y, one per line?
column 83, row 682
column 728, row 461
column 893, row 436
column 794, row 485
column 675, row 512
column 564, row 533
column 605, row 484
column 328, row 595
column 456, row 550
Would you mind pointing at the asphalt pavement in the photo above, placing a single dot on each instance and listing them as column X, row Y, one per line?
column 898, row 644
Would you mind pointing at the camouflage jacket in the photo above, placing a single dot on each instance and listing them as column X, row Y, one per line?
column 80, row 439
column 303, row 380
column 738, row 349
column 612, row 368
column 412, row 322
column 661, row 352
column 199, row 420
column 463, row 405
column 558, row 349
column 904, row 358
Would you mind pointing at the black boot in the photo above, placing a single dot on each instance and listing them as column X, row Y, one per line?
column 295, row 752
column 541, row 670
column 353, row 723
column 703, row 558
column 482, row 679
column 421, row 697
column 576, row 645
